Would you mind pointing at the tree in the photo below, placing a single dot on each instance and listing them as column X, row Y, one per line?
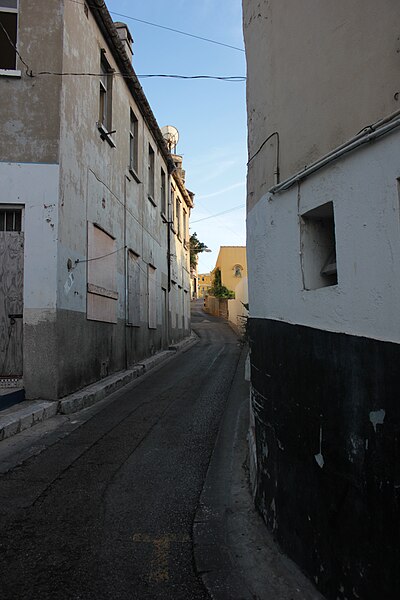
column 217, row 289
column 195, row 248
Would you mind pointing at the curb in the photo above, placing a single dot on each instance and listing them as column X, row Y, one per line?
column 26, row 414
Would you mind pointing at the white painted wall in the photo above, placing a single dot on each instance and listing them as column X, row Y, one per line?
column 36, row 188
column 236, row 310
column 363, row 186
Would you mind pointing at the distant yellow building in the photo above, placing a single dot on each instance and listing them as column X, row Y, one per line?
column 232, row 263
column 204, row 282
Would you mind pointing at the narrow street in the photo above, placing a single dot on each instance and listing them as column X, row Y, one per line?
column 107, row 511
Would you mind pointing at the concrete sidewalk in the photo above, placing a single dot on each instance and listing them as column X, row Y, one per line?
column 235, row 554
column 26, row 414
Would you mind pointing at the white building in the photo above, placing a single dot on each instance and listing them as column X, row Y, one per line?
column 92, row 267
column 323, row 244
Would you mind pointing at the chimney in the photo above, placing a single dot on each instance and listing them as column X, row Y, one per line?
column 178, row 165
column 126, row 38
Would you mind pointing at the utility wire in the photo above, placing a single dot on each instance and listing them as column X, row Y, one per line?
column 221, row 78
column 224, row 212
column 28, row 69
column 231, row 78
column 263, row 144
column 79, row 261
column 198, row 37
column 29, row 72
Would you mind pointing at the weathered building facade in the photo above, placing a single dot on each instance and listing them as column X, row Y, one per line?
column 85, row 202
column 323, row 226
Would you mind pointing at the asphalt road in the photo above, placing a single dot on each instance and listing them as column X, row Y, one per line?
column 106, row 512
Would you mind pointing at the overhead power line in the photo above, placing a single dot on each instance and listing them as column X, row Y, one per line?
column 224, row 212
column 231, row 78
column 198, row 37
column 179, row 31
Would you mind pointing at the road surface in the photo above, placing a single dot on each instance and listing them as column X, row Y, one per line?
column 106, row 512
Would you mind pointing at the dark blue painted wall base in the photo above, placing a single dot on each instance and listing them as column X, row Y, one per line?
column 327, row 412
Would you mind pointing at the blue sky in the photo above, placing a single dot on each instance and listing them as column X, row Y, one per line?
column 210, row 115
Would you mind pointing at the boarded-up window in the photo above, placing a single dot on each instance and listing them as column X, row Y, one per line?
column 102, row 268
column 8, row 33
column 134, row 297
column 152, row 296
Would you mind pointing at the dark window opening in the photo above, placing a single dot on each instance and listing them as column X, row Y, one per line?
column 151, row 173
column 10, row 219
column 163, row 192
column 318, row 245
column 105, row 97
column 8, row 35
column 133, row 143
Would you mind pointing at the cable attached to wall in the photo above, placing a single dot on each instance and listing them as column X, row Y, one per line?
column 28, row 69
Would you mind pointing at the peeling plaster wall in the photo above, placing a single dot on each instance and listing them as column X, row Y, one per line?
column 96, row 186
column 326, row 430
column 35, row 188
column 325, row 376
column 363, row 187
column 324, row 362
column 180, row 275
column 317, row 72
column 30, row 106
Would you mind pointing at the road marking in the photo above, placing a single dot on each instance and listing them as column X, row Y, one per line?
column 161, row 550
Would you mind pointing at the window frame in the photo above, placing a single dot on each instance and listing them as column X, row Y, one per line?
column 178, row 217
column 152, row 296
column 163, row 193
column 104, row 123
column 151, row 157
column 13, row 72
column 134, row 145
column 18, row 221
column 134, row 290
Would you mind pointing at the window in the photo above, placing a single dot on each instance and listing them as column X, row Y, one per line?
column 237, row 270
column 8, row 34
column 184, row 225
column 163, row 192
column 151, row 174
column 134, row 303
column 133, row 143
column 318, row 247
column 10, row 219
column 172, row 207
column 152, row 297
column 105, row 98
column 102, row 292
column 178, row 217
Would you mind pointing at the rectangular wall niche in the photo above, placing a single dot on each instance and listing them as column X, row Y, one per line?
column 318, row 247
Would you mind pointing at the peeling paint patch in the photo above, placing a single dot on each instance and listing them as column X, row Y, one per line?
column 69, row 283
column 377, row 417
column 266, row 452
column 318, row 457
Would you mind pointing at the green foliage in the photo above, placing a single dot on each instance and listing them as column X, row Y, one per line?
column 195, row 248
column 217, row 289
